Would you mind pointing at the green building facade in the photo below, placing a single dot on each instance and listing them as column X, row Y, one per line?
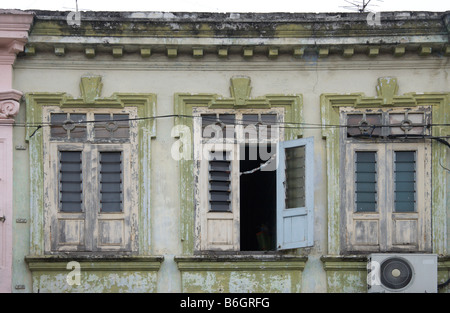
column 132, row 151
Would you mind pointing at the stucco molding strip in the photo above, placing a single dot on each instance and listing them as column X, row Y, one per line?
column 344, row 263
column 359, row 262
column 206, row 42
column 240, row 263
column 129, row 263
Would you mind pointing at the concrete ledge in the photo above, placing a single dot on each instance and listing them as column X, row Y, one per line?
column 94, row 263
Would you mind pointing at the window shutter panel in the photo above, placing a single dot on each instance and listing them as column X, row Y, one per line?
column 68, row 222
column 220, row 182
column 295, row 194
column 112, row 221
column 364, row 194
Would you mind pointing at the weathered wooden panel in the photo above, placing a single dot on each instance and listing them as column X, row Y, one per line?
column 111, row 232
column 220, row 230
column 366, row 232
column 71, row 232
column 218, row 213
column 295, row 229
column 405, row 232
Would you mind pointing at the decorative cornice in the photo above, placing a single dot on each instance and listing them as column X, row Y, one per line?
column 14, row 27
column 298, row 35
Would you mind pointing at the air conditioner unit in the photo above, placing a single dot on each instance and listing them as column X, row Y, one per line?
column 412, row 273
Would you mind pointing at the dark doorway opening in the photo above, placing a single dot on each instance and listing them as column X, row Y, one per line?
column 257, row 200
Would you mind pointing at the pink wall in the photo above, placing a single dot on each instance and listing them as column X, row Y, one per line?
column 14, row 27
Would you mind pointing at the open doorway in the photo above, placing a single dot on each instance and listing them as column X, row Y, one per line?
column 257, row 201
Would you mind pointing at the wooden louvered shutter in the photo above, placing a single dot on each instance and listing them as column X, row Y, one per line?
column 219, row 183
column 408, row 209
column 111, row 181
column 366, row 181
column 365, row 174
column 70, row 181
column 68, row 221
column 112, row 219
column 295, row 194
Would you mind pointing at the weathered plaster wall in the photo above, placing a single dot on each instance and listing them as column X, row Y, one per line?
column 172, row 53
column 94, row 276
column 241, row 274
column 311, row 78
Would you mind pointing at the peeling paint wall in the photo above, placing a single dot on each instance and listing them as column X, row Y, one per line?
column 166, row 232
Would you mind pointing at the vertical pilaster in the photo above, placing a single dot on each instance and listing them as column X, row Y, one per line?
column 14, row 26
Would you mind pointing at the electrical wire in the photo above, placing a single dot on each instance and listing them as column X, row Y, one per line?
column 240, row 122
column 286, row 125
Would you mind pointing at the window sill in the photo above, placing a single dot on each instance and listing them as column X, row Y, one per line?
column 240, row 261
column 94, row 262
column 344, row 262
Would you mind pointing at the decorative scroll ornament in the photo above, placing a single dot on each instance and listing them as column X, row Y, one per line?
column 9, row 103
column 9, row 108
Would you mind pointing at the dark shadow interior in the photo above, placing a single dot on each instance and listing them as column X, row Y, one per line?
column 257, row 204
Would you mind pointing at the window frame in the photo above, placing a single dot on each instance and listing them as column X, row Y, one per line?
column 92, row 237
column 203, row 241
column 387, row 229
